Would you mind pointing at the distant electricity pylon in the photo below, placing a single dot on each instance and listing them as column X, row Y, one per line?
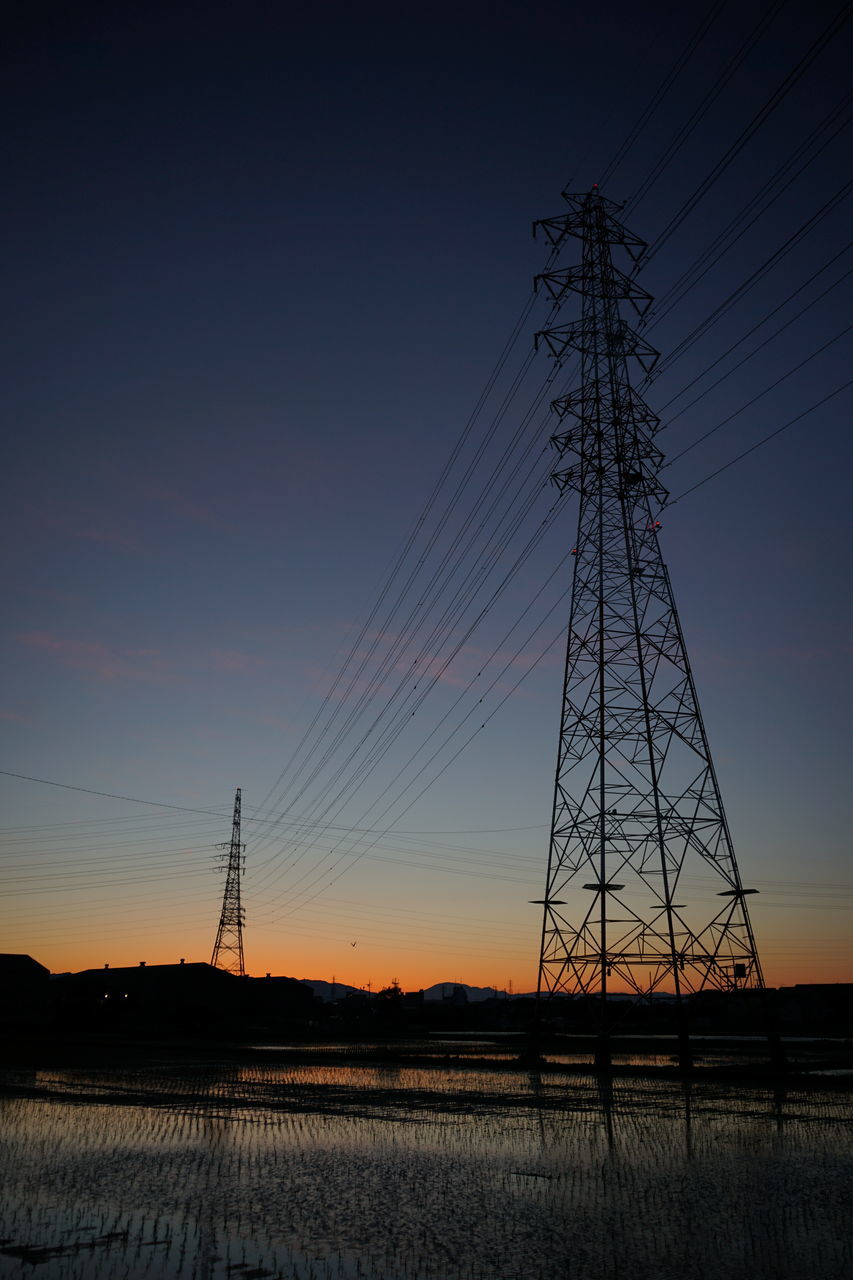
column 228, row 947
column 637, row 810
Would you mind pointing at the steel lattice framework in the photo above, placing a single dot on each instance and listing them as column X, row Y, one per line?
column 637, row 807
column 228, row 947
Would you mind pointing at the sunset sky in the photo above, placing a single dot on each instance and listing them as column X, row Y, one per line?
column 261, row 263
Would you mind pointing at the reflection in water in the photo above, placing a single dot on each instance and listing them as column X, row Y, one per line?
column 371, row 1173
column 688, row 1136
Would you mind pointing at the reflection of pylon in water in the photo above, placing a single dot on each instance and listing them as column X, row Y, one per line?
column 637, row 809
column 228, row 947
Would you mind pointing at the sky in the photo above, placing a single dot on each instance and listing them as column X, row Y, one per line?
column 261, row 265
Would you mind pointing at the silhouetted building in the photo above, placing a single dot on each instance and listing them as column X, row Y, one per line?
column 24, row 990
column 143, row 993
column 271, row 997
column 194, row 997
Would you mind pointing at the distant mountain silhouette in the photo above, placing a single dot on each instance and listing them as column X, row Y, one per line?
column 445, row 990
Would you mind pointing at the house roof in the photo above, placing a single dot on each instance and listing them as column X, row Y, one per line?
column 21, row 966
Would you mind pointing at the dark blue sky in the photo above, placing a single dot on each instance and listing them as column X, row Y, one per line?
column 260, row 264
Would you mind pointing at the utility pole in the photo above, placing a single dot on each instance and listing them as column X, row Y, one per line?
column 637, row 809
column 228, row 947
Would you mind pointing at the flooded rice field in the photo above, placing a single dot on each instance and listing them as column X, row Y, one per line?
column 367, row 1172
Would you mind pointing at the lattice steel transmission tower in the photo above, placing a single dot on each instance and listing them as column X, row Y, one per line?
column 637, row 808
column 228, row 947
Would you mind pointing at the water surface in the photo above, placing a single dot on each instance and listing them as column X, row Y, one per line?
column 366, row 1172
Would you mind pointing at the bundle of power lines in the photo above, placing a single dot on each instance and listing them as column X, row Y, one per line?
column 491, row 507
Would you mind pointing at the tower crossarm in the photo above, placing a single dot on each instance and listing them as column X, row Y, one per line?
column 619, row 341
column 576, row 223
column 571, row 280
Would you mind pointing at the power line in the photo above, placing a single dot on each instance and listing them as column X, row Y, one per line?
column 739, row 292
column 278, row 820
column 750, row 282
column 408, row 546
column 444, row 767
column 751, row 129
column 758, row 206
column 461, row 723
column 695, row 119
column 350, row 721
column 274, row 818
column 109, row 795
column 769, row 316
column 771, row 435
column 789, row 374
column 430, row 595
column 664, row 87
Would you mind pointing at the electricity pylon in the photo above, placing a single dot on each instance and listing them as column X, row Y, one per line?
column 228, row 947
column 637, row 810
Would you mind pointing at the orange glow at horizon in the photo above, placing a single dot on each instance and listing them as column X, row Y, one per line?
column 379, row 969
